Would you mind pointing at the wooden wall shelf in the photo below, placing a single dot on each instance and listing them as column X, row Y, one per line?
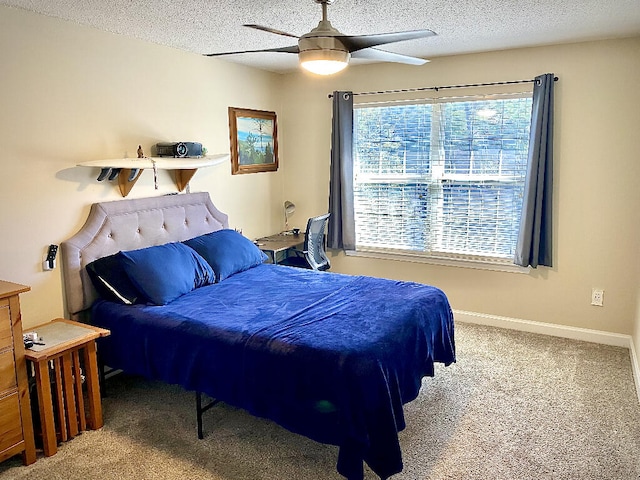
column 184, row 168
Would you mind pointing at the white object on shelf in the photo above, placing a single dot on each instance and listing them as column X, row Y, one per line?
column 162, row 163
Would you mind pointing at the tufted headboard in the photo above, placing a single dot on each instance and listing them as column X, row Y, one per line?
column 128, row 225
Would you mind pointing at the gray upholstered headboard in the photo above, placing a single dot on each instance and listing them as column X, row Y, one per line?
column 128, row 225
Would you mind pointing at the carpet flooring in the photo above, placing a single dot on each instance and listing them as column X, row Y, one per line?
column 515, row 406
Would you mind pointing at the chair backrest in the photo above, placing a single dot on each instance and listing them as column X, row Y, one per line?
column 314, row 243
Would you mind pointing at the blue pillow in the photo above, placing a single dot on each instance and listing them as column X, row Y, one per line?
column 111, row 281
column 227, row 251
column 165, row 272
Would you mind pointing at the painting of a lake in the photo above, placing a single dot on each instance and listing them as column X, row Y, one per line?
column 255, row 141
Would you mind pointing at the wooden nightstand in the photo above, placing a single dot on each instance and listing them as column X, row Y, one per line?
column 16, row 427
column 64, row 342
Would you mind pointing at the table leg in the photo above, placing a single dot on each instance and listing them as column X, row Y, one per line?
column 272, row 253
column 69, row 396
column 62, row 422
column 93, row 386
column 45, row 404
column 77, row 374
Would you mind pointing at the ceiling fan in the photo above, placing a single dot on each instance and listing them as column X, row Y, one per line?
column 324, row 50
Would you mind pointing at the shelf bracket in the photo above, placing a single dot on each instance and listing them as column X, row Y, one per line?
column 124, row 183
column 183, row 177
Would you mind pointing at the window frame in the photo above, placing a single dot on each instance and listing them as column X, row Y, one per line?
column 483, row 262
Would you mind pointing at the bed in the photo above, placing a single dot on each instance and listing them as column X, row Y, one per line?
column 333, row 357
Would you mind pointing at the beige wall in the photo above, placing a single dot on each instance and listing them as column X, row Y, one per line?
column 597, row 167
column 72, row 94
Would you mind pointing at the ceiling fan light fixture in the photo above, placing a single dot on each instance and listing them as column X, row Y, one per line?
column 324, row 62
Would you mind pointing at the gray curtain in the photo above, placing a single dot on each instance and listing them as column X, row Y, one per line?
column 535, row 235
column 341, row 231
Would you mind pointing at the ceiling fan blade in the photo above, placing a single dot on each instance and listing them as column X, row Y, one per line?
column 358, row 42
column 269, row 30
column 382, row 56
column 293, row 49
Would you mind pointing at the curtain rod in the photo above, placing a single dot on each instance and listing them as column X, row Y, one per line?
column 421, row 89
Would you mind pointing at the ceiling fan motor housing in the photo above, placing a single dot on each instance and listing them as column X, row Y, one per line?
column 306, row 44
column 322, row 49
column 322, row 43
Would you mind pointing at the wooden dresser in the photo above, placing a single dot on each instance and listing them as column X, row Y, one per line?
column 16, row 426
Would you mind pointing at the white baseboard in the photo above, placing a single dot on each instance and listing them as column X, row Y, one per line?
column 575, row 333
column 635, row 366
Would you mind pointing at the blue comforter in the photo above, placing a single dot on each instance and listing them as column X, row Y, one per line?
column 329, row 356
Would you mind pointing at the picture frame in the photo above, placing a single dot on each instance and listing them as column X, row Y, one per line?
column 254, row 140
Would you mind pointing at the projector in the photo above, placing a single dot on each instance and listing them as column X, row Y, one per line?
column 179, row 149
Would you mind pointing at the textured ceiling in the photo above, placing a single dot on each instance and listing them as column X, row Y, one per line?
column 463, row 26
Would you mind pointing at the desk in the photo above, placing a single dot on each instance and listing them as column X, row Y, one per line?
column 64, row 342
column 280, row 242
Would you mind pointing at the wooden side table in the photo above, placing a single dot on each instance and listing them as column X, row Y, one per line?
column 64, row 342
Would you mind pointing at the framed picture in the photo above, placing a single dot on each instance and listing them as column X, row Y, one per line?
column 254, row 141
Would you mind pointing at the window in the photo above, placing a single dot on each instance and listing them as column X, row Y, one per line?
column 442, row 178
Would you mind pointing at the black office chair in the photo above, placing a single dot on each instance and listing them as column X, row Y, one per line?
column 313, row 255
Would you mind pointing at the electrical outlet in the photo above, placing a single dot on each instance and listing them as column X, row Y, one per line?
column 597, row 297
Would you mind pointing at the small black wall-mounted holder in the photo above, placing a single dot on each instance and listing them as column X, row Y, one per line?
column 50, row 261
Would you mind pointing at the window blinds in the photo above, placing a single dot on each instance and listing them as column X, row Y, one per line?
column 441, row 177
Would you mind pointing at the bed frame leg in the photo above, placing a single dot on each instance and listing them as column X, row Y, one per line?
column 200, row 410
column 199, row 414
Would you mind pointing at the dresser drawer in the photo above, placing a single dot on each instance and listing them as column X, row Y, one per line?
column 6, row 336
column 10, row 425
column 7, row 371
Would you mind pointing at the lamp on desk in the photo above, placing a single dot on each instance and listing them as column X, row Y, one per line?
column 289, row 209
